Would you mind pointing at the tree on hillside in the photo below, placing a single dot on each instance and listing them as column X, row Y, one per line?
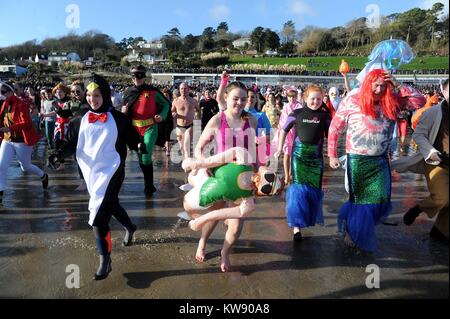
column 207, row 39
column 222, row 26
column 426, row 30
column 287, row 48
column 24, row 50
column 409, row 24
column 271, row 40
column 257, row 38
column 339, row 35
column 190, row 42
column 435, row 23
column 288, row 31
column 443, row 28
column 223, row 38
column 317, row 41
column 122, row 44
column 357, row 34
column 172, row 40
column 306, row 31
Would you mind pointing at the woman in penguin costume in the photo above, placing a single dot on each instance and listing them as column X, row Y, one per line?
column 101, row 152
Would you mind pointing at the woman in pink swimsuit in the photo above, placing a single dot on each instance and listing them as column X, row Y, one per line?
column 232, row 127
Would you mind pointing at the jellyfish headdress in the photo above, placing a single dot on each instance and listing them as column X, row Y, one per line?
column 384, row 54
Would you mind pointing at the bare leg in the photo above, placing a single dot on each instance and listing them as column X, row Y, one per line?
column 180, row 139
column 187, row 142
column 287, row 168
column 206, row 232
column 232, row 234
column 235, row 212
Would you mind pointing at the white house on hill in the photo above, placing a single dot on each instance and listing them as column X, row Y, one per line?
column 154, row 45
column 241, row 42
column 63, row 57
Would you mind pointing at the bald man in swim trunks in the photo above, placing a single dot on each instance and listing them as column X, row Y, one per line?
column 185, row 109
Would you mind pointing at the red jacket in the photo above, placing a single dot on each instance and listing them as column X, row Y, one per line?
column 22, row 120
column 330, row 108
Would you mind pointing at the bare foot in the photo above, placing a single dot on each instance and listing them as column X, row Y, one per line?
column 348, row 241
column 193, row 225
column 200, row 254
column 224, row 262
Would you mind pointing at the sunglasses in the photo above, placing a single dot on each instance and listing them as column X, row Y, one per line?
column 3, row 92
column 270, row 178
column 76, row 91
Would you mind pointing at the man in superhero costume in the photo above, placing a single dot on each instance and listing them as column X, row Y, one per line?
column 149, row 111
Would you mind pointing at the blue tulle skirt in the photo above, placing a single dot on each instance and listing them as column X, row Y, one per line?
column 370, row 199
column 304, row 197
column 359, row 221
column 303, row 206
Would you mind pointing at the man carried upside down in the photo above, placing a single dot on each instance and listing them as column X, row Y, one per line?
column 225, row 178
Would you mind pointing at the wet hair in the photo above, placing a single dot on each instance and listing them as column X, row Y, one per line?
column 312, row 88
column 389, row 102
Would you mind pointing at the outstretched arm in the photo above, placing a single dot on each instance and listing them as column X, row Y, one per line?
column 236, row 154
column 246, row 207
column 346, row 84
column 221, row 91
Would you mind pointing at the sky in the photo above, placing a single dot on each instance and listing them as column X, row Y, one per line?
column 23, row 20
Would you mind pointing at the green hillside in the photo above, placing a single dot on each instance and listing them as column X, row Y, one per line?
column 332, row 63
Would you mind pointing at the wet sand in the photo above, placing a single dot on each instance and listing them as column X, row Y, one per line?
column 42, row 232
